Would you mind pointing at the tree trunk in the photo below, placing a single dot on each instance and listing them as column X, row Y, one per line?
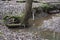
column 28, row 8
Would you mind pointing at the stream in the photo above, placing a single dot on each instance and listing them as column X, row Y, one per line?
column 44, row 26
column 43, row 29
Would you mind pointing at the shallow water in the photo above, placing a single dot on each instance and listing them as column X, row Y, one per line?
column 44, row 25
column 45, row 33
column 47, row 27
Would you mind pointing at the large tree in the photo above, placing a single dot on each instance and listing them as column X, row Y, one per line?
column 28, row 8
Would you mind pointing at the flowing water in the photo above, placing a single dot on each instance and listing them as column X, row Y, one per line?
column 48, row 27
column 44, row 26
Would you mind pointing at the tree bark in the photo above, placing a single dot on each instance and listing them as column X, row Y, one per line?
column 28, row 8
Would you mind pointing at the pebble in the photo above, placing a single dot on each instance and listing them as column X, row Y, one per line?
column 10, row 35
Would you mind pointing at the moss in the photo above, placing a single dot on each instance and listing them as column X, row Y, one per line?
column 45, row 5
column 14, row 21
column 13, row 25
column 48, row 7
column 5, row 17
column 1, row 33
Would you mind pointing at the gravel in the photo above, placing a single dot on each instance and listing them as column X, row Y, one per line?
column 8, row 34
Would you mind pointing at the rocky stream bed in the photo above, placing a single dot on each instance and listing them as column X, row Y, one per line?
column 8, row 34
column 43, row 31
column 42, row 22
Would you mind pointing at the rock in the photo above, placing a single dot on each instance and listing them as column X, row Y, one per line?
column 54, row 11
column 8, row 34
column 2, row 38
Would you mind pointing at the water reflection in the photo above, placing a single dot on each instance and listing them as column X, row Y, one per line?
column 47, row 27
